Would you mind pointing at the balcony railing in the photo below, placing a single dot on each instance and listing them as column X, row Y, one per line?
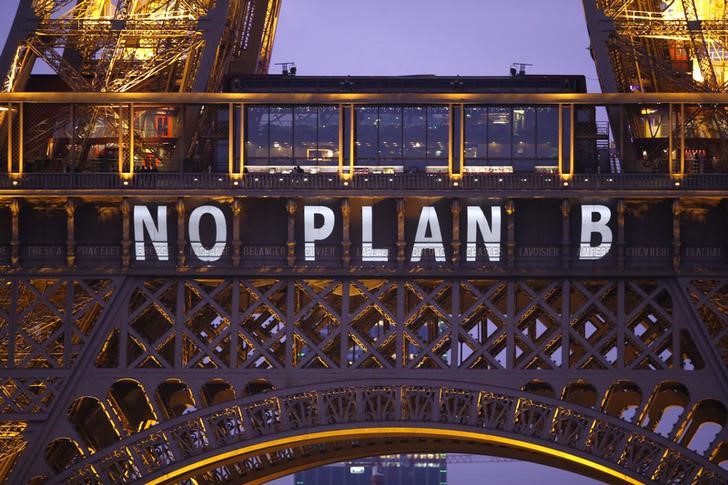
column 354, row 133
column 394, row 182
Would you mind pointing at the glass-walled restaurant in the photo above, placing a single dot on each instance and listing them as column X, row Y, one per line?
column 396, row 139
column 371, row 138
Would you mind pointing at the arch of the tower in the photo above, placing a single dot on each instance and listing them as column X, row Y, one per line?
column 237, row 380
column 271, row 433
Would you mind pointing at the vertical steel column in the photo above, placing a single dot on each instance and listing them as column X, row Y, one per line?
column 400, row 361
column 670, row 158
column 461, row 149
column 352, row 138
column 231, row 139
column 401, row 243
column 341, row 142
column 450, row 138
column 291, row 243
column 676, row 236
column 561, row 140
column 621, row 324
column 181, row 256
column 241, row 138
column 10, row 137
column 572, row 139
column 455, row 324
column 12, row 324
column 126, row 236
column 70, row 232
column 290, row 322
column 131, row 138
column 345, row 322
column 455, row 209
column 120, row 142
column 565, row 324
column 510, row 322
column 179, row 324
column 21, row 114
column 15, row 238
column 565, row 234
column 236, row 209
column 346, row 233
column 682, row 139
column 234, row 322
column 620, row 234
column 621, row 136
column 510, row 233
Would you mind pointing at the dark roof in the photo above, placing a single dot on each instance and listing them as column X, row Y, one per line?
column 407, row 84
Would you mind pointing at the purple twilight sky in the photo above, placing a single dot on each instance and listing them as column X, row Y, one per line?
column 446, row 37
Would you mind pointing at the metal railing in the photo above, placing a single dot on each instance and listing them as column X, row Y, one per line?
column 379, row 182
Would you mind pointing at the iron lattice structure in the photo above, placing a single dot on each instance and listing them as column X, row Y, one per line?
column 168, row 378
column 656, row 46
column 677, row 46
column 135, row 45
column 114, row 372
column 140, row 45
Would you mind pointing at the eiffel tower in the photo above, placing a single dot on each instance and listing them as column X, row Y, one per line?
column 214, row 276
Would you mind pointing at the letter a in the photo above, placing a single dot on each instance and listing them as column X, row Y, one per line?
column 428, row 219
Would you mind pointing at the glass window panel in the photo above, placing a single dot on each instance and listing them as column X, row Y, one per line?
column 476, row 132
column 524, row 132
column 304, row 131
column 437, row 131
column 328, row 133
column 257, row 146
column 390, row 132
column 499, row 132
column 415, row 131
column 281, row 134
column 547, row 132
column 367, row 125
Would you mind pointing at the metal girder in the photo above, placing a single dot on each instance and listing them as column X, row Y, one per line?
column 700, row 47
column 649, row 26
column 535, row 339
column 112, row 44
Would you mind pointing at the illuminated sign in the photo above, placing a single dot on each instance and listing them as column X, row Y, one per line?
column 482, row 237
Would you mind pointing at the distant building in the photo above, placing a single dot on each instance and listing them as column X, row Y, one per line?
column 416, row 469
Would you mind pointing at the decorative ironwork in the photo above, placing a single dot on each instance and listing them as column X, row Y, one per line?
column 643, row 455
column 202, row 342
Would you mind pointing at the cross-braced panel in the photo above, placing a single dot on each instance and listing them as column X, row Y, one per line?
column 427, row 332
column 261, row 328
column 172, row 343
column 709, row 297
column 483, row 334
column 593, row 329
column 317, row 330
column 649, row 342
column 538, row 337
column 371, row 340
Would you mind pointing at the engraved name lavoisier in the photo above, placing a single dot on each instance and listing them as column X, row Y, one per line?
column 484, row 230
